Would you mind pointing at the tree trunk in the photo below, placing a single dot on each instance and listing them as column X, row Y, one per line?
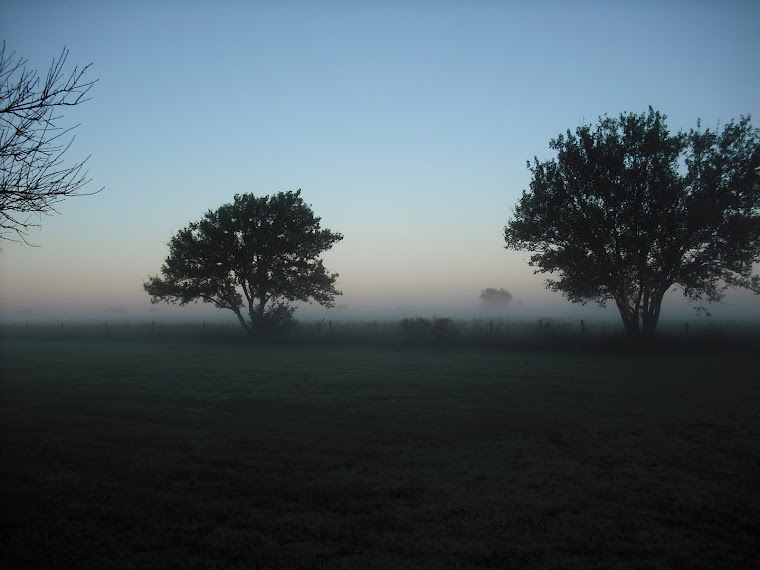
column 243, row 323
column 651, row 316
column 649, row 325
column 257, row 316
column 630, row 317
column 260, row 311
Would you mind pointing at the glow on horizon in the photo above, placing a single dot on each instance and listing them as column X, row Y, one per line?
column 406, row 125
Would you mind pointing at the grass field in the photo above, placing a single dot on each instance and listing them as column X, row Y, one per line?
column 156, row 453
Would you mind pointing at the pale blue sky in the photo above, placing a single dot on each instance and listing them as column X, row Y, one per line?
column 407, row 125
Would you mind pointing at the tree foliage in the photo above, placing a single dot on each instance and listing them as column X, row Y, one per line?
column 254, row 256
column 33, row 177
column 628, row 210
column 492, row 297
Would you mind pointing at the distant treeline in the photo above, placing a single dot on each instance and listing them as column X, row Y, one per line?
column 413, row 332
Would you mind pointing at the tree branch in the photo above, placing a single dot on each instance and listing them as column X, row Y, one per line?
column 32, row 146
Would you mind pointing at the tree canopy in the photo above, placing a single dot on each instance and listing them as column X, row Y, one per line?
column 492, row 297
column 628, row 210
column 33, row 177
column 254, row 256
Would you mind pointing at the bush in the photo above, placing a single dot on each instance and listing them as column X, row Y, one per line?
column 418, row 331
column 443, row 329
column 277, row 318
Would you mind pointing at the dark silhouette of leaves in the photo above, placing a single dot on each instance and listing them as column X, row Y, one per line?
column 628, row 210
column 254, row 256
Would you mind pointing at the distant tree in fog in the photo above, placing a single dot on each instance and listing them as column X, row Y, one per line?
column 33, row 177
column 493, row 298
column 253, row 257
column 628, row 210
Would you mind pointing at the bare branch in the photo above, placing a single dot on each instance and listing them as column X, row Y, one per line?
column 33, row 177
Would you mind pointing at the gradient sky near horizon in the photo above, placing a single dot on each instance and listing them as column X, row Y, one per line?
column 406, row 124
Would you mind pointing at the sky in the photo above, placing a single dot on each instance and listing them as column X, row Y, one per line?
column 407, row 125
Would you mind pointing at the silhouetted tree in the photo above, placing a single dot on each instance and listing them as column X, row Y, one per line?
column 492, row 297
column 627, row 211
column 255, row 256
column 32, row 175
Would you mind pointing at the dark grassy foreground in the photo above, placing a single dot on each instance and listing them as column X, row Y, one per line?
column 197, row 455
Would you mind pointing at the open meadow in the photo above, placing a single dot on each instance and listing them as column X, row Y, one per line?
column 153, row 447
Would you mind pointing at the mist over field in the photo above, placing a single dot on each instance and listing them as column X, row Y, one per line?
column 543, row 304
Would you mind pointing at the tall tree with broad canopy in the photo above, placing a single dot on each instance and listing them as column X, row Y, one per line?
column 628, row 210
column 255, row 255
